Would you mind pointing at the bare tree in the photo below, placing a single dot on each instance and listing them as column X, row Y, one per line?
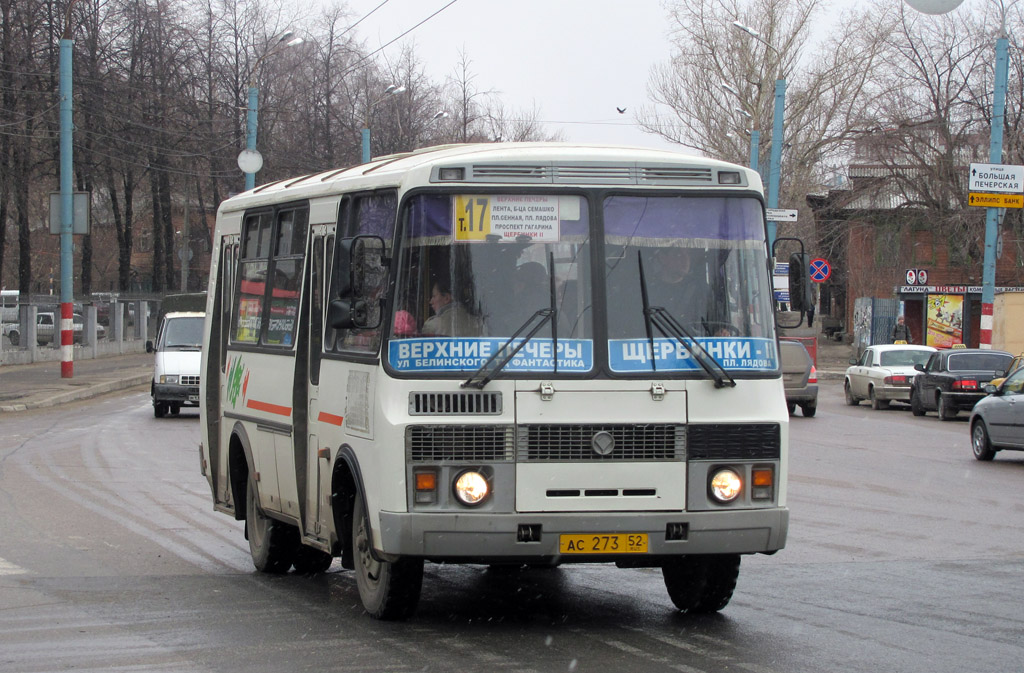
column 826, row 90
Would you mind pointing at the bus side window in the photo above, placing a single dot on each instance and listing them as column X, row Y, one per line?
column 252, row 272
column 227, row 275
column 316, row 313
column 285, row 279
column 371, row 215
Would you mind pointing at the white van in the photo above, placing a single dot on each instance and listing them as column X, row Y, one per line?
column 178, row 354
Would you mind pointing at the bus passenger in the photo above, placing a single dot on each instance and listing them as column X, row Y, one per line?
column 450, row 317
column 405, row 324
column 675, row 286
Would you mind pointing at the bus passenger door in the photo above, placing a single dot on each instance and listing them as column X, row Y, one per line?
column 215, row 377
column 318, row 463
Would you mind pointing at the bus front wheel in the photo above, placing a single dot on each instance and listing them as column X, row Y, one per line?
column 701, row 584
column 272, row 543
column 389, row 590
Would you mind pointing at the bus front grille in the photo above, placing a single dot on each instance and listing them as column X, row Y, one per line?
column 463, row 443
column 735, row 441
column 455, row 403
column 612, row 443
column 572, row 443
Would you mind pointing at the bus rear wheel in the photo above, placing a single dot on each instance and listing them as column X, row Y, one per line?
column 389, row 590
column 701, row 584
column 272, row 543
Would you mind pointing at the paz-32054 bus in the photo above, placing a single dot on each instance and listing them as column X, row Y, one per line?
column 499, row 354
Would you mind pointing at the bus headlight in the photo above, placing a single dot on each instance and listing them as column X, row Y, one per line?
column 471, row 488
column 725, row 485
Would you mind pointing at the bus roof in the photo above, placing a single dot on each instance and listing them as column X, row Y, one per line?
column 521, row 164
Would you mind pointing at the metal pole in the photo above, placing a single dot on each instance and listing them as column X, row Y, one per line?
column 185, row 247
column 366, row 145
column 995, row 153
column 67, row 350
column 250, row 132
column 755, row 147
column 776, row 156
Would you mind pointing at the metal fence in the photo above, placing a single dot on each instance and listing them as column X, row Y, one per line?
column 104, row 324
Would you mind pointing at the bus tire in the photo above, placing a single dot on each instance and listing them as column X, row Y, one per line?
column 701, row 584
column 272, row 543
column 389, row 590
column 311, row 561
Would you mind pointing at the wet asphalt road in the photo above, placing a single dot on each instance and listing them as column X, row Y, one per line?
column 904, row 554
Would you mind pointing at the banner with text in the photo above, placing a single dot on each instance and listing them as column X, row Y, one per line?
column 732, row 353
column 455, row 354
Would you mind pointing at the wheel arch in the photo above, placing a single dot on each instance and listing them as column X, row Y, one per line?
column 346, row 485
column 240, row 464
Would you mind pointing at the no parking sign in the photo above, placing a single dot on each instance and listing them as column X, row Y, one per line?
column 820, row 270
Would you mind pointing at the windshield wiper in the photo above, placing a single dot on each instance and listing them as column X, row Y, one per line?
column 494, row 364
column 667, row 324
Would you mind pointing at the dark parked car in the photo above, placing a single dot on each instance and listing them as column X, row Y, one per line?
column 997, row 421
column 799, row 377
column 954, row 379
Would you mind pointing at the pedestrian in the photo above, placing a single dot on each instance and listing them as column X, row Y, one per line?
column 901, row 332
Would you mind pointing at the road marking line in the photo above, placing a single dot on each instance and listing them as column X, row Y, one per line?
column 8, row 568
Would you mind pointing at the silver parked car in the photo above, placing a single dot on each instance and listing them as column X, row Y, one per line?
column 883, row 374
column 800, row 377
column 997, row 421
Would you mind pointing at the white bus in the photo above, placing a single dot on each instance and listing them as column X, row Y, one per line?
column 498, row 354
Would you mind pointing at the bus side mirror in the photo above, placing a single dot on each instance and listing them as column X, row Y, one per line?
column 362, row 267
column 360, row 281
column 799, row 282
column 347, row 314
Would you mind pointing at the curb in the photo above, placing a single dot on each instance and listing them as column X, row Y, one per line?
column 83, row 393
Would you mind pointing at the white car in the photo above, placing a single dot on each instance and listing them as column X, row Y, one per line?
column 46, row 323
column 884, row 373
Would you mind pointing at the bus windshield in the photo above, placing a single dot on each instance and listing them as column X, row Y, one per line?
column 704, row 264
column 473, row 270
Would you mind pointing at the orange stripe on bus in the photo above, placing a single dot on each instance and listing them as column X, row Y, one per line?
column 268, row 407
column 325, row 417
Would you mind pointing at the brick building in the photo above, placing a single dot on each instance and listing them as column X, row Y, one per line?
column 872, row 237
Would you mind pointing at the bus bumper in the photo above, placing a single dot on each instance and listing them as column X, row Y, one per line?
column 488, row 537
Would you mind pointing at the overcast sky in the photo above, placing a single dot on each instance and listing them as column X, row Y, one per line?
column 578, row 60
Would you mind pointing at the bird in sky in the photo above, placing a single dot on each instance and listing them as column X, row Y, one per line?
column 621, row 110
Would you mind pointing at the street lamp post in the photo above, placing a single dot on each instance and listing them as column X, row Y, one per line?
column 250, row 160
column 777, row 119
column 67, row 242
column 390, row 91
column 755, row 134
column 995, row 156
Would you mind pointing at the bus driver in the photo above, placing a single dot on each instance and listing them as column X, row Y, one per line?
column 450, row 317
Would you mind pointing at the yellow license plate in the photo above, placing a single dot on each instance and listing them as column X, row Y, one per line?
column 598, row 543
